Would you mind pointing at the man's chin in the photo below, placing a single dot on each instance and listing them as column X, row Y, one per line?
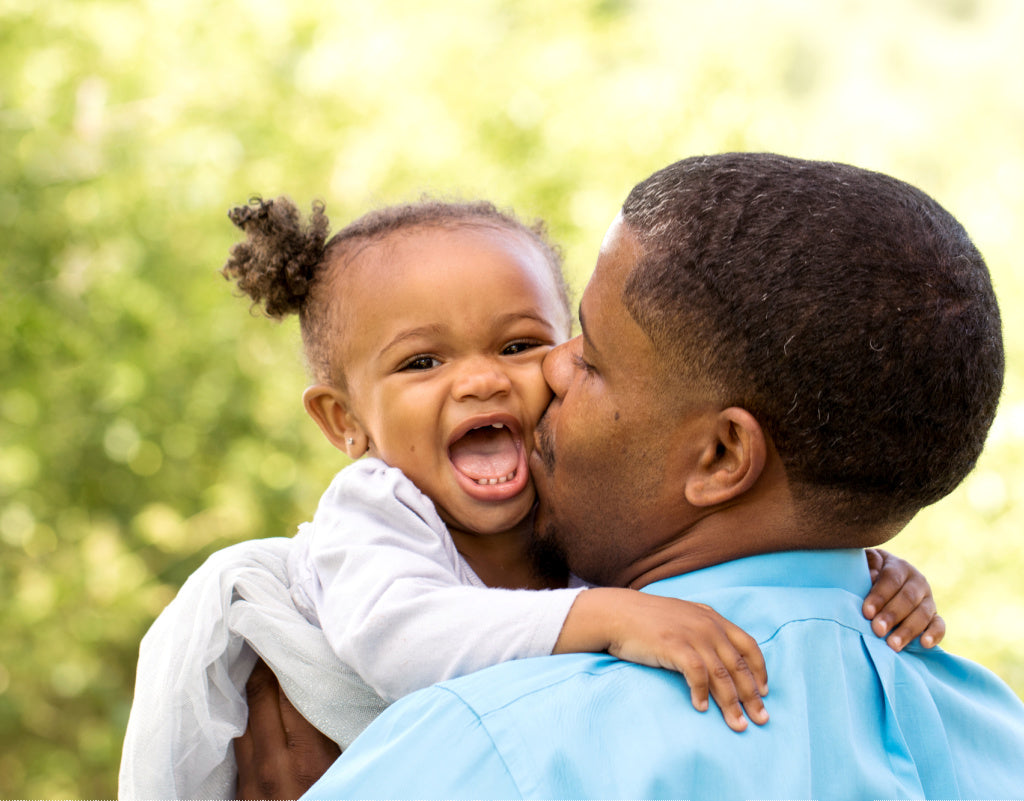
column 548, row 557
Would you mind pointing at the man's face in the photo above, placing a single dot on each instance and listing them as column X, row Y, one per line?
column 618, row 432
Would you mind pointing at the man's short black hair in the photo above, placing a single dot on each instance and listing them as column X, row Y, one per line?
column 846, row 310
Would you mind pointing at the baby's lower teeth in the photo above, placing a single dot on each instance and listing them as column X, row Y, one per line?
column 484, row 482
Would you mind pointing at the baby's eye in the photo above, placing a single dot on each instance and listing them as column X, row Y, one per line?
column 420, row 363
column 518, row 347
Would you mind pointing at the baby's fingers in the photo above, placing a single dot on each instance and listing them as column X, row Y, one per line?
column 748, row 658
column 921, row 621
column 889, row 574
column 875, row 562
column 723, row 690
column 733, row 695
column 737, row 675
column 708, row 674
column 723, row 670
column 696, row 674
column 933, row 635
column 736, row 690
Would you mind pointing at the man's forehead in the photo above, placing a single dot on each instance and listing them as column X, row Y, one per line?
column 612, row 231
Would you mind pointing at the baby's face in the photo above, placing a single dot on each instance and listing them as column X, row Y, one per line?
column 446, row 331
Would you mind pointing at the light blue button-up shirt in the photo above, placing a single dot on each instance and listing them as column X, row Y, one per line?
column 850, row 719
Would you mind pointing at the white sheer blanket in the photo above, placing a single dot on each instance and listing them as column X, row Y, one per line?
column 194, row 662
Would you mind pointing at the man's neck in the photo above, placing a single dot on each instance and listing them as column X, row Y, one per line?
column 764, row 520
column 772, row 525
column 706, row 546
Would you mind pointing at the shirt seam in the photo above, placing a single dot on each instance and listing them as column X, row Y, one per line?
column 615, row 664
column 794, row 621
column 490, row 738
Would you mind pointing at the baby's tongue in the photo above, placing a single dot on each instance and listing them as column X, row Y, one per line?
column 485, row 453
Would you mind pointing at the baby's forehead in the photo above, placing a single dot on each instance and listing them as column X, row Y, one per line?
column 408, row 253
column 468, row 233
column 426, row 261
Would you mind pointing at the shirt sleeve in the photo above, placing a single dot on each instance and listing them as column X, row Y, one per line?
column 432, row 745
column 396, row 601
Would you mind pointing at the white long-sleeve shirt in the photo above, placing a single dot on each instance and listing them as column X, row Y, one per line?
column 196, row 658
column 376, row 563
column 378, row 571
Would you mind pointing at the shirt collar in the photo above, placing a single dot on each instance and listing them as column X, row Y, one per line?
column 844, row 569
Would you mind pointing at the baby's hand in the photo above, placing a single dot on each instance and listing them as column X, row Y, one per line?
column 901, row 599
column 693, row 639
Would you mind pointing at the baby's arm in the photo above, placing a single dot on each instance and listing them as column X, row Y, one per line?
column 394, row 607
column 901, row 602
column 394, row 599
column 690, row 638
column 713, row 654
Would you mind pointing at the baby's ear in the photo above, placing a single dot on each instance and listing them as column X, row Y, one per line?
column 731, row 462
column 329, row 407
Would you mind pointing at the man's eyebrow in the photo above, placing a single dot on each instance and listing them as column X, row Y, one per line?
column 583, row 331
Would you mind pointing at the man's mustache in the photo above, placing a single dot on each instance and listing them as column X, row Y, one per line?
column 543, row 444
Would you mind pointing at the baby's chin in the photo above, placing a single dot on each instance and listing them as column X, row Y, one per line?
column 484, row 518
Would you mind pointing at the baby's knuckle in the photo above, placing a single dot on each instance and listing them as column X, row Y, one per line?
column 915, row 594
column 721, row 672
column 692, row 663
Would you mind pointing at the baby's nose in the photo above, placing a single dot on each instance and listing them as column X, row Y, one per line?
column 482, row 379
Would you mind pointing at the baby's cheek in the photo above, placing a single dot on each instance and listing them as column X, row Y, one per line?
column 539, row 396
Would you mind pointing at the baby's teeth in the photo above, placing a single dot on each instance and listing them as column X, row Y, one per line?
column 498, row 425
column 484, row 482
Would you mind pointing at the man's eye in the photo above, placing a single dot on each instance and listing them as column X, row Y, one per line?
column 518, row 347
column 420, row 363
column 582, row 364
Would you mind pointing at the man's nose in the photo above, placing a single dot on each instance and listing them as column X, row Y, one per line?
column 480, row 378
column 558, row 366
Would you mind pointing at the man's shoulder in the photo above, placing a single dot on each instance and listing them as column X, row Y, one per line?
column 560, row 726
column 500, row 686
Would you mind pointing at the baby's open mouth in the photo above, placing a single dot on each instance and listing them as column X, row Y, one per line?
column 486, row 455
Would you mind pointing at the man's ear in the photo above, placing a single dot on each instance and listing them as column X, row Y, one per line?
column 329, row 407
column 731, row 462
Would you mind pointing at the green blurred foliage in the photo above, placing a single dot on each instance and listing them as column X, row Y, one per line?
column 147, row 418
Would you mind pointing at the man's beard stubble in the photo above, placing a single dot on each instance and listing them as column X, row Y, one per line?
column 542, row 444
column 548, row 558
column 544, row 551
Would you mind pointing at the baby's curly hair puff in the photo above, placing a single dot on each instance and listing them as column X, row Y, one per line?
column 278, row 262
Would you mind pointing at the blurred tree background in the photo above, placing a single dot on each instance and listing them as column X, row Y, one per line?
column 147, row 418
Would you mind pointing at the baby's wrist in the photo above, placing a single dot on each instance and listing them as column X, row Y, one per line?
column 593, row 621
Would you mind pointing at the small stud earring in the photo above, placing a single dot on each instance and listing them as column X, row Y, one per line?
column 349, row 441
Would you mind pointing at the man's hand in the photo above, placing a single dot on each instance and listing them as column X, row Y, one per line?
column 281, row 754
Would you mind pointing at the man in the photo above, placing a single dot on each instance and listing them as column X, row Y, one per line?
column 781, row 362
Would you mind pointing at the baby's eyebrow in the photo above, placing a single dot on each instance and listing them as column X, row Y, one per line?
column 433, row 330
column 525, row 314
